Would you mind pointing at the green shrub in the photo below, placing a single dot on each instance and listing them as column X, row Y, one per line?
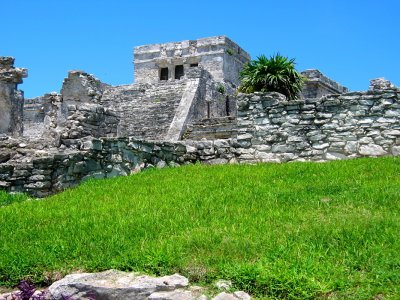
column 221, row 89
column 274, row 74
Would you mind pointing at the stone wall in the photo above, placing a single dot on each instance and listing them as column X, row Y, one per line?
column 334, row 127
column 41, row 115
column 145, row 111
column 212, row 129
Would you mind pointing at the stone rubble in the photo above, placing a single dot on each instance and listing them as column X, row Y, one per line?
column 115, row 285
column 379, row 84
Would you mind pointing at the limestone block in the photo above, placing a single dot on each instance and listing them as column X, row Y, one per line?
column 351, row 147
column 392, row 132
column 281, row 148
column 321, row 146
column 366, row 140
column 334, row 156
column 246, row 136
column 396, row 150
column 372, row 150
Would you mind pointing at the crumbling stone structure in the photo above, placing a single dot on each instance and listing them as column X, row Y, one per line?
column 317, row 85
column 11, row 99
column 94, row 130
column 219, row 56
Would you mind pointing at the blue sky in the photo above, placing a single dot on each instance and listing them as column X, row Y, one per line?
column 350, row 41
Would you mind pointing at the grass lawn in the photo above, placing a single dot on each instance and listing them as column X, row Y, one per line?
column 278, row 231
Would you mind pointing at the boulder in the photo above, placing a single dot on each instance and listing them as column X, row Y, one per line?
column 114, row 285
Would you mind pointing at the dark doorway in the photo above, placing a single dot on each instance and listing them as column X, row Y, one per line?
column 179, row 72
column 164, row 74
column 227, row 108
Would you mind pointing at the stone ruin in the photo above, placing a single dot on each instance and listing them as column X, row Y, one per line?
column 11, row 99
column 182, row 108
column 183, row 90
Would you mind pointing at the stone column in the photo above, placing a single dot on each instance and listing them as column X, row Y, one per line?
column 11, row 99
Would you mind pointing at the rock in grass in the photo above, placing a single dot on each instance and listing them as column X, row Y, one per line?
column 115, row 285
column 223, row 284
column 239, row 295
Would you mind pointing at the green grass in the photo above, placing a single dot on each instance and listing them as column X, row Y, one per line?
column 7, row 199
column 278, row 231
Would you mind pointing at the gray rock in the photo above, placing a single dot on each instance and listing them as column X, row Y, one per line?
column 372, row 150
column 223, row 284
column 115, row 285
column 334, row 156
column 351, row 147
column 242, row 295
column 161, row 164
column 396, row 150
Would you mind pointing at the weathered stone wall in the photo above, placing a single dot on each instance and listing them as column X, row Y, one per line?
column 212, row 129
column 11, row 99
column 42, row 115
column 144, row 111
column 81, row 87
column 333, row 127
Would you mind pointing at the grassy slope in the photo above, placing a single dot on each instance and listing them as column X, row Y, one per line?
column 290, row 231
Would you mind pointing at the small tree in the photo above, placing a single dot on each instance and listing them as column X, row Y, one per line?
column 274, row 74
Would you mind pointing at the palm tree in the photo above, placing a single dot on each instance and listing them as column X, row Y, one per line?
column 274, row 74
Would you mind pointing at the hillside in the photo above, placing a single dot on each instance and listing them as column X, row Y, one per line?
column 278, row 231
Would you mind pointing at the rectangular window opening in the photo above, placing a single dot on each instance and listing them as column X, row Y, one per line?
column 179, row 72
column 164, row 74
column 194, row 65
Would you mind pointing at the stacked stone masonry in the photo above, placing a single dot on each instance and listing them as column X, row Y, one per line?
column 333, row 127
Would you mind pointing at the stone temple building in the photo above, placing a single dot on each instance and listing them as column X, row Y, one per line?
column 219, row 56
column 182, row 90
